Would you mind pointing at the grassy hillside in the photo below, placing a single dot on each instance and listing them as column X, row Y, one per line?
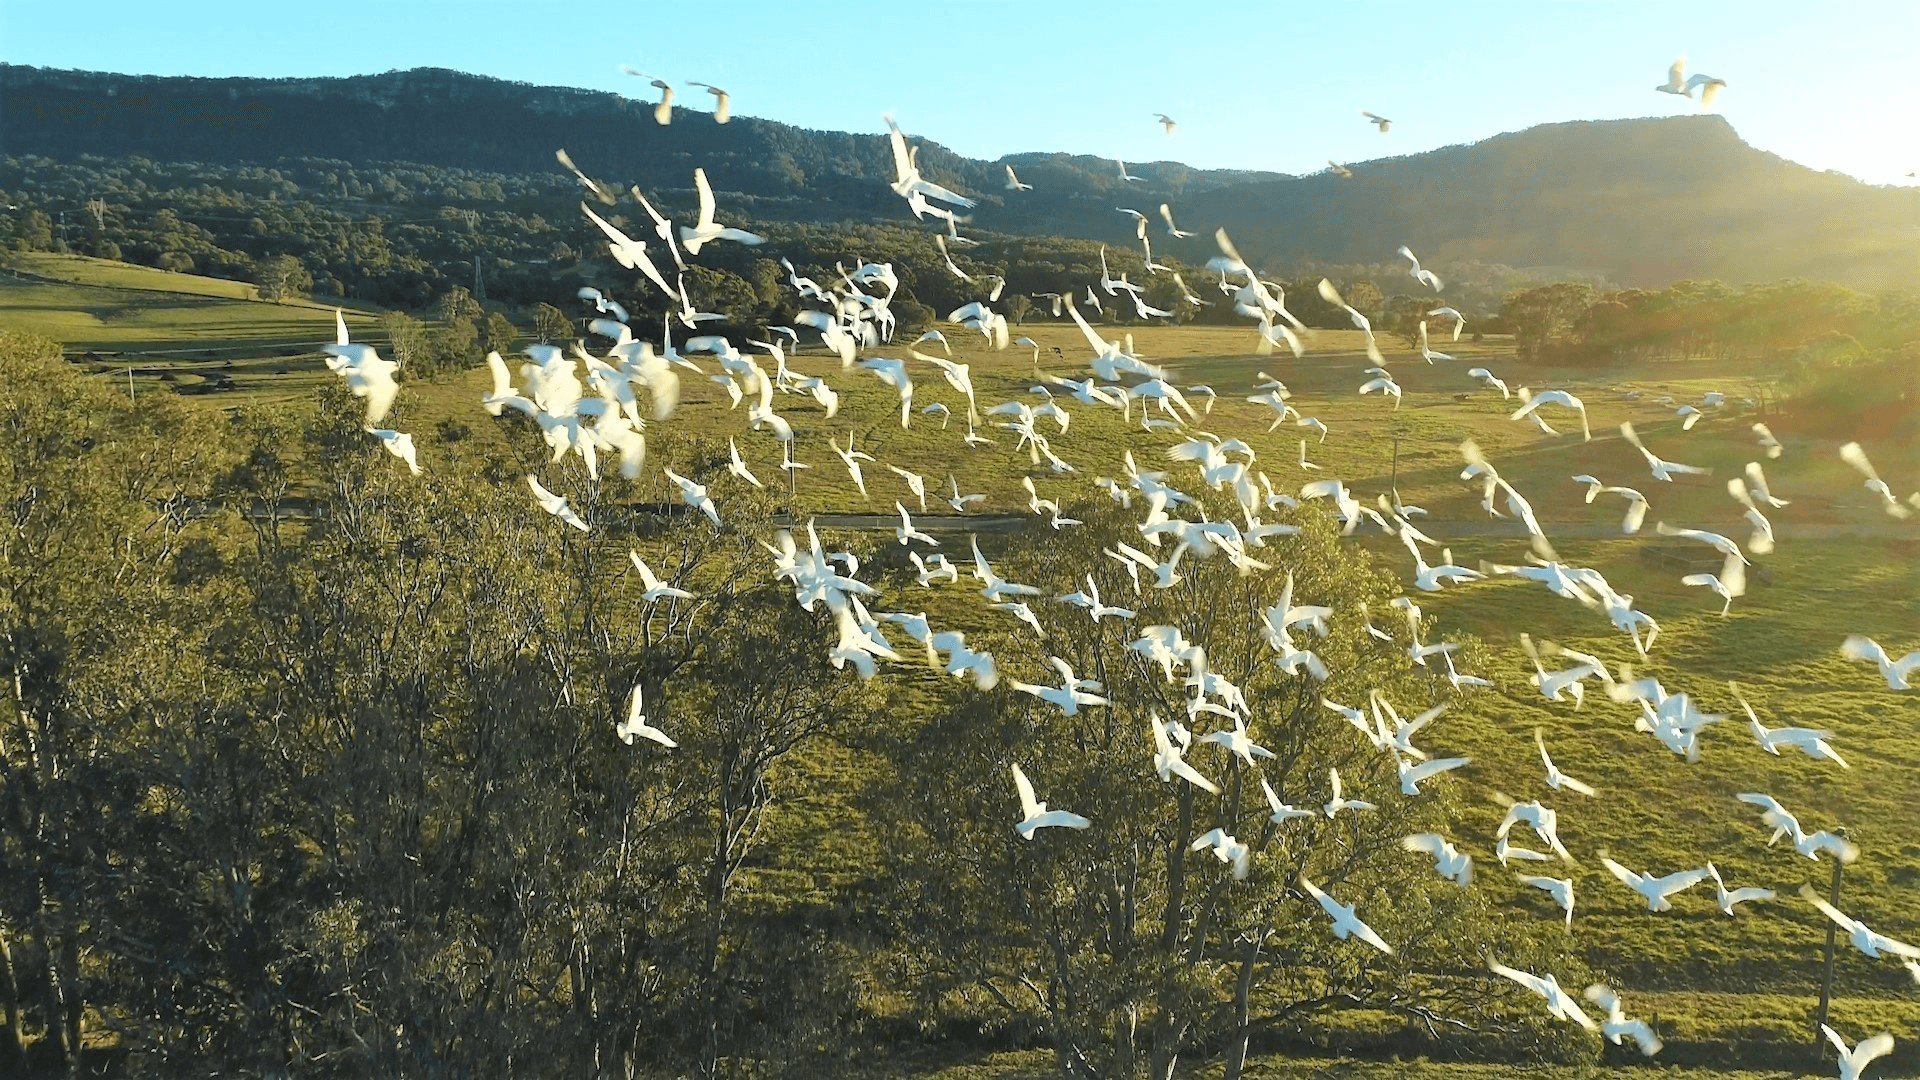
column 175, row 331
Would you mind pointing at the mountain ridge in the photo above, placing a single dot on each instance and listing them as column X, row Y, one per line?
column 1640, row 201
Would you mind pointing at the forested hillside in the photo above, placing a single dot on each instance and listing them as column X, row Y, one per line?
column 1642, row 202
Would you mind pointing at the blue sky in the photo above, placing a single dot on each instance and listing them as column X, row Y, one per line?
column 1258, row 85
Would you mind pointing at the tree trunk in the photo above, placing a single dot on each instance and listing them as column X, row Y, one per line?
column 15, row 1045
column 1242, row 991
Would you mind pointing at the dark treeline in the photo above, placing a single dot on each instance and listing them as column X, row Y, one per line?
column 404, row 236
column 1845, row 355
column 341, row 795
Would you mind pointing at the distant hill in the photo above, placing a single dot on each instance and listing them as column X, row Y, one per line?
column 1640, row 202
column 1643, row 202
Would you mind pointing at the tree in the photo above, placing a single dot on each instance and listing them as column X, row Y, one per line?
column 1128, row 947
column 407, row 343
column 100, row 493
column 723, row 292
column 282, row 277
column 1018, row 308
column 550, row 324
column 499, row 334
column 1538, row 316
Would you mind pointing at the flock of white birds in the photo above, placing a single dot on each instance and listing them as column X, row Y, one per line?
column 852, row 319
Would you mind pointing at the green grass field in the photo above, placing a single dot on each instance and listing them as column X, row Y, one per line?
column 1842, row 567
column 176, row 331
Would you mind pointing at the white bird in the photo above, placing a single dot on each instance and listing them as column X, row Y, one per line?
column 1090, row 600
column 1655, row 889
column 852, row 458
column 1676, row 83
column 664, row 230
column 1227, row 850
column 1168, row 761
column 1863, row 938
column 1166, row 215
column 995, row 587
column 1662, row 469
column 1561, row 889
column 1854, row 1060
column 652, row 587
column 1783, row 823
column 958, row 501
column 1767, row 440
column 1729, row 584
column 1724, row 545
column 1615, row 1025
column 1282, row 812
column 1345, row 924
column 1019, row 610
column 908, row 182
column 1034, row 814
column 636, row 724
column 1338, row 803
column 704, row 230
column 1459, row 320
column 1559, row 1002
column 963, row 662
column 1124, row 174
column 695, row 495
column 504, row 393
column 629, row 252
column 1636, row 502
column 556, row 505
column 1757, row 484
column 1553, row 397
column 1013, row 182
column 1859, row 647
column 1727, row 898
column 1708, row 86
column 1451, row 862
column 368, row 375
column 1386, row 386
column 1853, row 455
column 1332, row 296
column 1411, row 774
column 399, row 444
column 1556, row 779
column 1810, row 741
column 1166, row 122
column 599, row 190
column 1380, row 122
column 722, row 109
column 1236, row 741
column 1426, row 348
column 905, row 531
column 1424, row 277
column 1339, row 170
column 663, row 112
column 737, row 466
column 1487, row 377
column 1503, row 849
column 1542, row 819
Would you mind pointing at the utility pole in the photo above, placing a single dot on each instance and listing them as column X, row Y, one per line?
column 1826, row 980
column 1394, row 482
column 63, row 230
column 479, row 284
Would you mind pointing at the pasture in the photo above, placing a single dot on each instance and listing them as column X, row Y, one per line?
column 1719, row 985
